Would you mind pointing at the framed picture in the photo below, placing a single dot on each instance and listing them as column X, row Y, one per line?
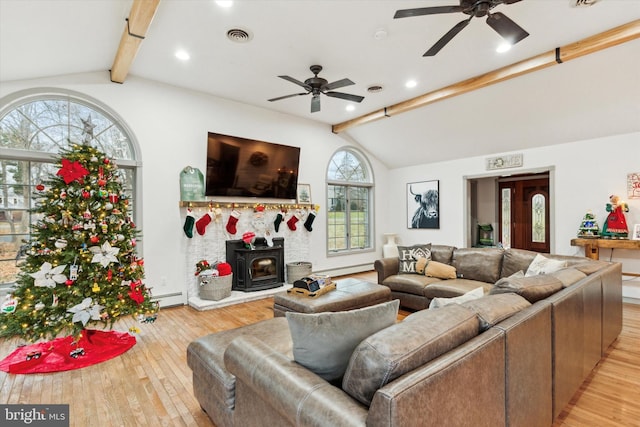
column 636, row 232
column 304, row 193
column 423, row 207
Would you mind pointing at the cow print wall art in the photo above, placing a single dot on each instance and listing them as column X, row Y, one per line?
column 423, row 208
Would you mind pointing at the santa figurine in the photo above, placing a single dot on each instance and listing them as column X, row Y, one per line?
column 615, row 226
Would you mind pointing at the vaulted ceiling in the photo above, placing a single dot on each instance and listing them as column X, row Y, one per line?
column 594, row 95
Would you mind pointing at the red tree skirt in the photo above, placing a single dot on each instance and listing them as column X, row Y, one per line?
column 56, row 355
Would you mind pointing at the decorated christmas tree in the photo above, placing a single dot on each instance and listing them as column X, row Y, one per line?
column 589, row 226
column 81, row 266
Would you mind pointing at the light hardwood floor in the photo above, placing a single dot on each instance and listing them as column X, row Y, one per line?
column 150, row 385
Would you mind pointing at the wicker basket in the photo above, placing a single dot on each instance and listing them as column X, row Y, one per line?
column 214, row 287
column 298, row 270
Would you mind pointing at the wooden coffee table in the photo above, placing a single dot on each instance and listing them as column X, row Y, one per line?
column 348, row 295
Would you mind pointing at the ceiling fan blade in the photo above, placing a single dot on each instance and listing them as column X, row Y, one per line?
column 509, row 30
column 315, row 103
column 447, row 37
column 287, row 96
column 407, row 13
column 338, row 84
column 347, row 96
column 298, row 82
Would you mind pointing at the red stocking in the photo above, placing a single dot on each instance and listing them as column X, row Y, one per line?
column 233, row 220
column 292, row 222
column 202, row 223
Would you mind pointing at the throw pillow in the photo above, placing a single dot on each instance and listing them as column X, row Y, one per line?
column 544, row 265
column 323, row 342
column 421, row 265
column 469, row 296
column 440, row 270
column 408, row 255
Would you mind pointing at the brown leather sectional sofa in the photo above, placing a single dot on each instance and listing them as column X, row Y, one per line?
column 508, row 359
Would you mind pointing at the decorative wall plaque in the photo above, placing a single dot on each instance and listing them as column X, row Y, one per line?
column 504, row 162
column 633, row 185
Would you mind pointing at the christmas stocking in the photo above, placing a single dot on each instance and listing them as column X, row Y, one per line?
column 278, row 220
column 202, row 223
column 309, row 222
column 188, row 224
column 233, row 220
column 292, row 222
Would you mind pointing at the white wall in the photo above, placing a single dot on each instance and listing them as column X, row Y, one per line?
column 584, row 174
column 171, row 125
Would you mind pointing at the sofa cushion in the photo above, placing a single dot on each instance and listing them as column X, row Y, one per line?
column 442, row 253
column 515, row 260
column 454, row 288
column 493, row 309
column 469, row 296
column 532, row 288
column 483, row 264
column 408, row 256
column 544, row 265
column 409, row 283
column 568, row 276
column 440, row 270
column 590, row 267
column 398, row 349
column 323, row 342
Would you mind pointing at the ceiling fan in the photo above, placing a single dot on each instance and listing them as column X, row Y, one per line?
column 317, row 85
column 504, row 26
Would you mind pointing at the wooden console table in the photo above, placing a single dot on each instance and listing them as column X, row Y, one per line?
column 592, row 247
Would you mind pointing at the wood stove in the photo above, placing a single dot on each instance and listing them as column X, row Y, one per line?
column 259, row 268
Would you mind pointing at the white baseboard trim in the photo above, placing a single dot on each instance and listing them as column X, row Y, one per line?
column 334, row 272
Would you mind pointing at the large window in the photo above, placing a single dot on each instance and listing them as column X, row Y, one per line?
column 33, row 129
column 349, row 201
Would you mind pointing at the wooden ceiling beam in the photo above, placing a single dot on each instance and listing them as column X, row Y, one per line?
column 604, row 40
column 135, row 30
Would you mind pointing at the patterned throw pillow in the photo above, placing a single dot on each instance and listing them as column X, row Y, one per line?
column 408, row 255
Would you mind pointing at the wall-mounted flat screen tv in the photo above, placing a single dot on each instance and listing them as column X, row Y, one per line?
column 240, row 167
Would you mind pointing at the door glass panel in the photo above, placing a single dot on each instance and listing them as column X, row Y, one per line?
column 538, row 218
column 506, row 217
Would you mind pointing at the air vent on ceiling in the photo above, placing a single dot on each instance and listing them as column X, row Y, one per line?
column 239, row 35
column 579, row 3
column 374, row 89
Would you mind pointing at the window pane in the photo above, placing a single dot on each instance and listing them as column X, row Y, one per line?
column 336, row 223
column 359, row 217
column 346, row 166
column 506, row 217
column 538, row 218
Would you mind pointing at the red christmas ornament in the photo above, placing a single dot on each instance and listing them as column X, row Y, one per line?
column 102, row 182
column 40, row 187
column 106, row 161
column 86, row 194
column 94, row 239
column 69, row 282
column 109, row 275
column 140, row 262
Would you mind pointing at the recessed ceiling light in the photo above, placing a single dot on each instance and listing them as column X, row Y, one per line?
column 504, row 47
column 350, row 107
column 224, row 3
column 380, row 34
column 411, row 83
column 183, row 55
column 374, row 89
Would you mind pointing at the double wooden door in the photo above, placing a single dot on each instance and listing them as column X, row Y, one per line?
column 524, row 212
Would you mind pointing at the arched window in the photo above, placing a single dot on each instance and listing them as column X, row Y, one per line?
column 33, row 129
column 349, row 201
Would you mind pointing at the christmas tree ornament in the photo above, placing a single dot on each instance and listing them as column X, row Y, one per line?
column 86, row 194
column 278, row 220
column 108, row 206
column 232, row 221
column 48, row 276
column 39, row 306
column 104, row 254
column 96, row 287
column 202, row 223
column 94, row 238
column 54, row 302
column 9, row 305
column 189, row 222
column 72, row 171
column 309, row 222
column 63, row 194
column 84, row 311
column 40, row 187
column 60, row 243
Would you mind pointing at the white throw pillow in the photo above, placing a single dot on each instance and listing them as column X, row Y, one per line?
column 469, row 296
column 543, row 265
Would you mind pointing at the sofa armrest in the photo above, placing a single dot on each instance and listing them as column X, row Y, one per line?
column 281, row 385
column 386, row 267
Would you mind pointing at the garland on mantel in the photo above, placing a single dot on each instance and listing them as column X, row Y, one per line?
column 232, row 205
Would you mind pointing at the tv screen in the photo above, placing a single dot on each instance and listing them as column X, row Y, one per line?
column 239, row 167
